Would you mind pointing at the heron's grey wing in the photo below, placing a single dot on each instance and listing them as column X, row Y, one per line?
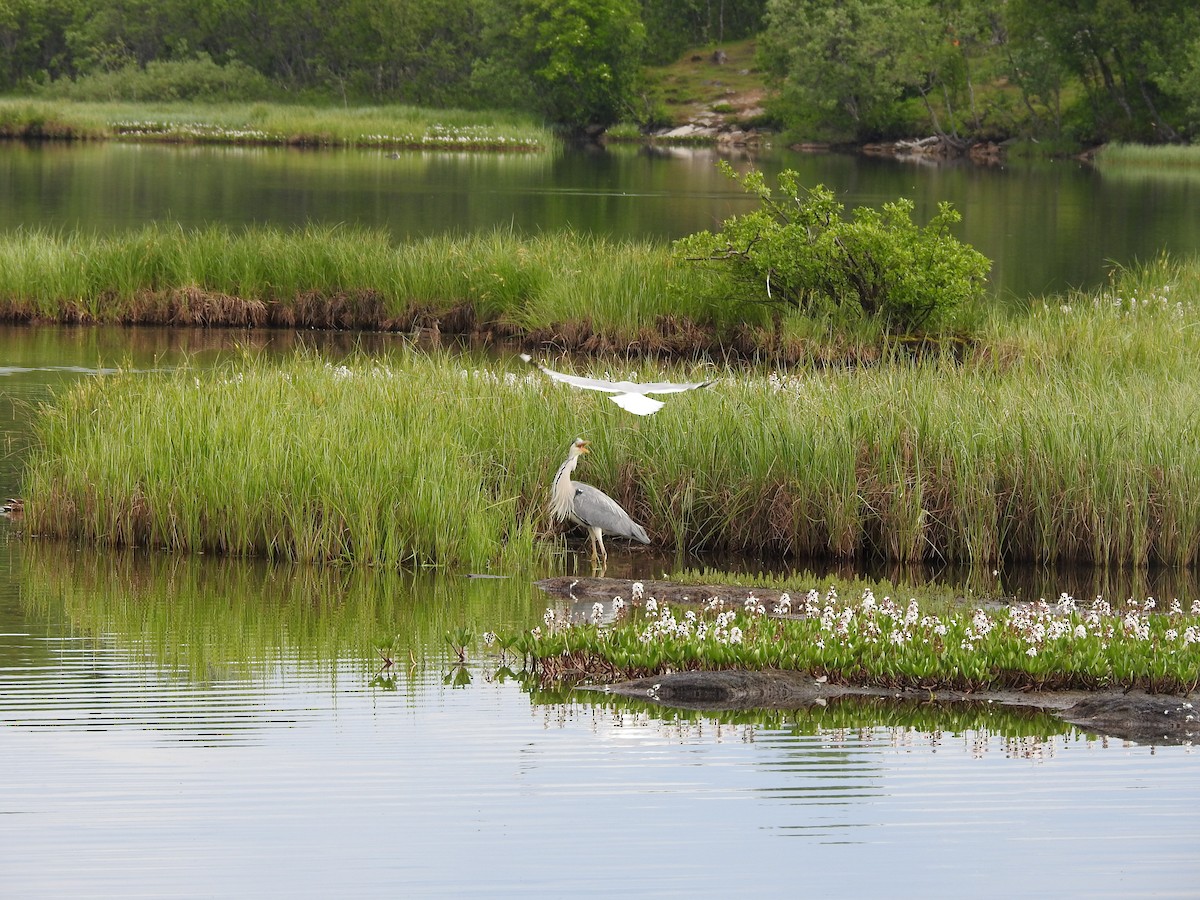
column 638, row 404
column 595, row 509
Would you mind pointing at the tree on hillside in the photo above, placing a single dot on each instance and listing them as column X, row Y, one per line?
column 31, row 40
column 674, row 26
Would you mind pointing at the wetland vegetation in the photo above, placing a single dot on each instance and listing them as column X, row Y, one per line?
column 269, row 124
column 1065, row 433
column 881, row 642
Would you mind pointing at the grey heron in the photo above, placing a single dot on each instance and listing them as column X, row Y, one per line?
column 629, row 395
column 590, row 507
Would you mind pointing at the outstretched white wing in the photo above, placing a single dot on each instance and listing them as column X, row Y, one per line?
column 638, row 404
column 629, row 395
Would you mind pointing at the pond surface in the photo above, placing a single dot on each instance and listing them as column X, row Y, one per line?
column 1046, row 226
column 194, row 727
column 191, row 727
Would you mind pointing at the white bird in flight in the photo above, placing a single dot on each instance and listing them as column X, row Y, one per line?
column 629, row 395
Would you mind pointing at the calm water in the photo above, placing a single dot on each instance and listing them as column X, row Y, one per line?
column 195, row 728
column 1046, row 226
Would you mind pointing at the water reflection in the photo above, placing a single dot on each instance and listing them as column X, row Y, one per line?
column 210, row 619
column 1047, row 226
column 197, row 727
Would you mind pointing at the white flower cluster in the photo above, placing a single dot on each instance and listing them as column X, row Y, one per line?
column 469, row 135
column 981, row 626
column 343, row 372
column 193, row 131
column 663, row 623
column 509, row 379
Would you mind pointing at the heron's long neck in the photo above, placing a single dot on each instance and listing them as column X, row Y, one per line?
column 562, row 492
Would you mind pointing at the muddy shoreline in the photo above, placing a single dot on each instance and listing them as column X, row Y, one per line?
column 1134, row 715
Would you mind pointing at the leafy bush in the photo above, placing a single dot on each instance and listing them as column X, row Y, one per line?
column 189, row 79
column 798, row 252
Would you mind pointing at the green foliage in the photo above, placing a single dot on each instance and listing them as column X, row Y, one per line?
column 583, row 56
column 797, row 251
column 839, row 65
column 1129, row 58
column 674, row 26
column 198, row 79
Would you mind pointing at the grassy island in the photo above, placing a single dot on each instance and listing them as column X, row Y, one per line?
column 1068, row 433
column 272, row 124
column 1061, row 645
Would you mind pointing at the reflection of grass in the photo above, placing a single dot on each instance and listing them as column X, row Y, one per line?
column 218, row 618
column 842, row 714
column 264, row 123
column 1065, row 645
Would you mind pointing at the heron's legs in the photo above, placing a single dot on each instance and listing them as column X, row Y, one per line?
column 599, row 552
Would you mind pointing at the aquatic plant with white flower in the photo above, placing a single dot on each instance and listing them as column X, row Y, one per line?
column 1039, row 645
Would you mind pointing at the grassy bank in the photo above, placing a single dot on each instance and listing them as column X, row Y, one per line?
column 877, row 641
column 1169, row 156
column 398, row 127
column 1068, row 434
column 577, row 291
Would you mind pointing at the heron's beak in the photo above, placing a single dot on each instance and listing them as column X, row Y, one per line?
column 584, row 446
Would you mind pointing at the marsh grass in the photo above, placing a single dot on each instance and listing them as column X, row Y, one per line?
column 399, row 127
column 607, row 292
column 1143, row 155
column 1060, row 645
column 1069, row 435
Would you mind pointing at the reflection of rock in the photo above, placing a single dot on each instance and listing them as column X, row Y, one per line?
column 1143, row 718
column 938, row 148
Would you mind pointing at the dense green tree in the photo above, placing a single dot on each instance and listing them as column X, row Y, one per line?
column 32, row 45
column 841, row 64
column 583, row 57
column 1127, row 54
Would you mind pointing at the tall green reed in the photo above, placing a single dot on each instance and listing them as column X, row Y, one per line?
column 1071, row 434
column 344, row 277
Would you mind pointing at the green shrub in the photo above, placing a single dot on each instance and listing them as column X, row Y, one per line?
column 164, row 81
column 798, row 252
